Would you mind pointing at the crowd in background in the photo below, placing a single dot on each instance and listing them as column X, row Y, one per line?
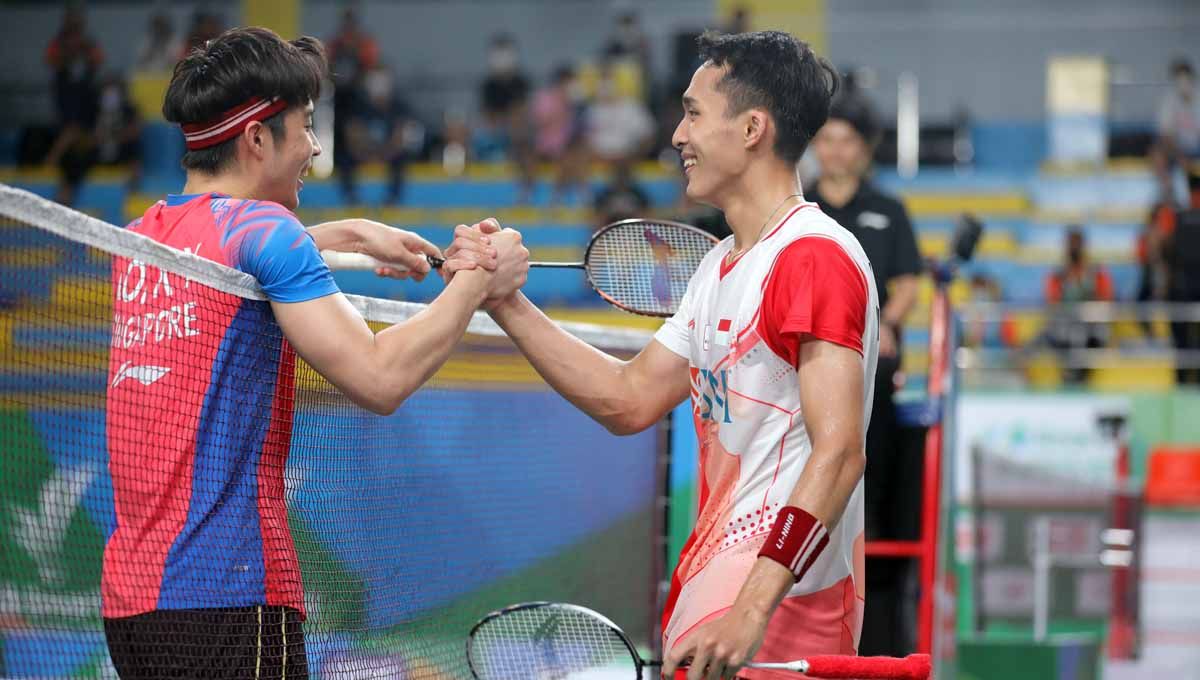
column 612, row 108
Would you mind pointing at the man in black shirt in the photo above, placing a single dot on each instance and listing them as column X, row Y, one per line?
column 844, row 146
column 504, row 102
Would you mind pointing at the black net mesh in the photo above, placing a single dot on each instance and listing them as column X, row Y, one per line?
column 173, row 490
column 644, row 266
column 549, row 641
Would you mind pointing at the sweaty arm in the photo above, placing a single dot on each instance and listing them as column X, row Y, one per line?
column 831, row 399
column 375, row 370
column 624, row 396
column 378, row 371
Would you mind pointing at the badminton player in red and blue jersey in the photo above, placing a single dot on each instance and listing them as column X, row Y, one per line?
column 200, row 575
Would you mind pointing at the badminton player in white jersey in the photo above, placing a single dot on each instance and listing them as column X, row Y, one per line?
column 776, row 342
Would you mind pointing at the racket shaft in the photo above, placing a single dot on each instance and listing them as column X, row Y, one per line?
column 799, row 666
column 559, row 265
column 914, row 666
column 340, row 261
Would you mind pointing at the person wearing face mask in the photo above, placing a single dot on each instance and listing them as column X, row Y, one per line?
column 558, row 111
column 504, row 103
column 619, row 128
column 1077, row 280
column 1178, row 126
column 380, row 128
column 75, row 59
column 160, row 46
column 113, row 139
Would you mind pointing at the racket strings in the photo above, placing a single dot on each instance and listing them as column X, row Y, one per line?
column 645, row 266
column 546, row 643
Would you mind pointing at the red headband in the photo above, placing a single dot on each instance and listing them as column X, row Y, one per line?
column 231, row 123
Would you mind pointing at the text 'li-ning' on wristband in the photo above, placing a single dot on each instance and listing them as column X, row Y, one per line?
column 796, row 540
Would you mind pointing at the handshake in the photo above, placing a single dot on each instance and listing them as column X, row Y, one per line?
column 491, row 256
column 490, row 260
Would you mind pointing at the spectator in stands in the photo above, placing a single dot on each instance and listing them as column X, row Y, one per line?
column 381, row 129
column 206, row 25
column 629, row 41
column 504, row 103
column 1078, row 280
column 844, row 147
column 160, row 47
column 1181, row 248
column 978, row 330
column 558, row 111
column 456, row 138
column 115, row 138
column 75, row 59
column 622, row 199
column 739, row 20
column 352, row 53
column 1178, row 126
column 619, row 127
column 1154, row 277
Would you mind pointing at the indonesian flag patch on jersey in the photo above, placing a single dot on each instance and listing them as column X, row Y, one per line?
column 722, row 336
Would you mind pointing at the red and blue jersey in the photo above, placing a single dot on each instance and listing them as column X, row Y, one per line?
column 199, row 413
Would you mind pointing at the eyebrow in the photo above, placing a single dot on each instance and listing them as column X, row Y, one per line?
column 689, row 101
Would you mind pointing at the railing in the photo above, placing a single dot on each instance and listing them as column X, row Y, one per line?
column 1077, row 339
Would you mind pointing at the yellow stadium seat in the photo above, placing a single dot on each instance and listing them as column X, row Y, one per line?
column 147, row 91
column 1156, row 374
column 1043, row 371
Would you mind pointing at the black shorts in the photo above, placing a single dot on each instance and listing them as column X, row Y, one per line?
column 222, row 644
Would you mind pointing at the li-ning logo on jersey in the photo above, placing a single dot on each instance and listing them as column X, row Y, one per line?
column 712, row 394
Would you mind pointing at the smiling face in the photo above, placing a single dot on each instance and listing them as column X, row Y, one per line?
column 710, row 142
column 290, row 158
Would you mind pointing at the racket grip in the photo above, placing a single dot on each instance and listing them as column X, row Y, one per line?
column 340, row 261
column 911, row 667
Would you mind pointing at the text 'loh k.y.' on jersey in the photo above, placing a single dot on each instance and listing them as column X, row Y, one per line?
column 199, row 415
column 740, row 326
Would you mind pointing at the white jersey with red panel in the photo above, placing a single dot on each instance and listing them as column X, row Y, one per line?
column 740, row 327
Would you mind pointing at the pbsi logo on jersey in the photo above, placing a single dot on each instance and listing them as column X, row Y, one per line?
column 710, row 390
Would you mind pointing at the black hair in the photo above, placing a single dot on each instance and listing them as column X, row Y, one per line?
column 562, row 73
column 230, row 69
column 777, row 72
column 853, row 108
column 1181, row 66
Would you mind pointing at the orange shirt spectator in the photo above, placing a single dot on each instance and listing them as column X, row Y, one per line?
column 1078, row 280
column 352, row 52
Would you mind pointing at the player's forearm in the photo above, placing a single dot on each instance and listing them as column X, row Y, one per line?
column 824, row 489
column 408, row 354
column 590, row 379
column 901, row 300
column 337, row 235
column 828, row 480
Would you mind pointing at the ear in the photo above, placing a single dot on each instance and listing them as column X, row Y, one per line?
column 257, row 138
column 756, row 124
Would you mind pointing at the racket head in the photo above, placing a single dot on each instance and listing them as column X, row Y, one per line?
column 643, row 266
column 550, row 641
